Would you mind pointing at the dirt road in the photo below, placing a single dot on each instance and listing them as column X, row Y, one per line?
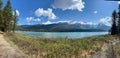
column 7, row 51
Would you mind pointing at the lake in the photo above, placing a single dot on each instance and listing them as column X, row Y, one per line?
column 71, row 35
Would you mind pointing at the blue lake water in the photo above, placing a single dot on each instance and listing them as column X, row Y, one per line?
column 71, row 35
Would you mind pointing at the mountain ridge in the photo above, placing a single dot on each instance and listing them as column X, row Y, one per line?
column 64, row 27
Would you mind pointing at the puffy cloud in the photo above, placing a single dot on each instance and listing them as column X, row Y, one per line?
column 69, row 4
column 118, row 2
column 17, row 12
column 37, row 19
column 107, row 21
column 95, row 12
column 47, row 13
column 29, row 19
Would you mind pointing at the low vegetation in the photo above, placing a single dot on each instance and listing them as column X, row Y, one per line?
column 37, row 47
column 117, row 50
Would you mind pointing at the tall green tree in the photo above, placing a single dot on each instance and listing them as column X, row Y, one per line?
column 15, row 19
column 114, row 27
column 119, row 20
column 1, row 16
column 7, row 13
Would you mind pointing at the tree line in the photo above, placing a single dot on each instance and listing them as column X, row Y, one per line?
column 115, row 29
column 8, row 18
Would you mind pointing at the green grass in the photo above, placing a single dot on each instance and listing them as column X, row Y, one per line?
column 117, row 50
column 36, row 47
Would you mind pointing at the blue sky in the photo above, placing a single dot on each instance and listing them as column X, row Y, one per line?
column 47, row 11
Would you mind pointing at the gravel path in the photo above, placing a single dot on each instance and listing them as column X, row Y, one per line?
column 7, row 51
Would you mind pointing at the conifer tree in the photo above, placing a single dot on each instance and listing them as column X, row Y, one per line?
column 119, row 20
column 15, row 19
column 1, row 16
column 7, row 13
column 114, row 27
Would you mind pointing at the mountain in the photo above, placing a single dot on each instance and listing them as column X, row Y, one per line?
column 64, row 27
column 103, row 27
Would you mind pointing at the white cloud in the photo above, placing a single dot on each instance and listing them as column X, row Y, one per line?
column 47, row 13
column 118, row 2
column 37, row 19
column 107, row 21
column 69, row 4
column 80, row 22
column 70, row 22
column 87, row 23
column 17, row 13
column 30, row 19
column 95, row 12
column 48, row 22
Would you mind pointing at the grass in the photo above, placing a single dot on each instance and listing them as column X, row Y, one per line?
column 117, row 49
column 37, row 47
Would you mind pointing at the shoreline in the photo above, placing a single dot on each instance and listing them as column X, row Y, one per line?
column 69, row 35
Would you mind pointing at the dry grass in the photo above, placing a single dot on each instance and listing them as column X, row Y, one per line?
column 36, row 47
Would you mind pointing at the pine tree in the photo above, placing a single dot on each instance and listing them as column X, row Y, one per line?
column 1, row 16
column 119, row 20
column 114, row 27
column 15, row 19
column 7, row 13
